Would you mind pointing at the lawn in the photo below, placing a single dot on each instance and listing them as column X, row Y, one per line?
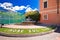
column 24, row 31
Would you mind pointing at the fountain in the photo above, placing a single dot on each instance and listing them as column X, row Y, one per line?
column 28, row 21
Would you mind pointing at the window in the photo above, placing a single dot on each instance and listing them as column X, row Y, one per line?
column 46, row 17
column 45, row 4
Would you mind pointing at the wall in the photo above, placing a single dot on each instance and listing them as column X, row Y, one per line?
column 51, row 10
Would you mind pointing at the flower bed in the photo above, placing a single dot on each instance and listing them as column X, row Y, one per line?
column 24, row 32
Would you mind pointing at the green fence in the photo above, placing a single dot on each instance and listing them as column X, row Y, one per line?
column 11, row 17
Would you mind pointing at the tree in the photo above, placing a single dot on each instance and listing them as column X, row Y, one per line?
column 11, row 17
column 34, row 15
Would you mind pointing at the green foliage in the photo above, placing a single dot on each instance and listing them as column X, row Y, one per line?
column 11, row 17
column 25, row 31
column 34, row 15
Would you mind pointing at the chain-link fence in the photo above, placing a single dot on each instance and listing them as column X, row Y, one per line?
column 11, row 17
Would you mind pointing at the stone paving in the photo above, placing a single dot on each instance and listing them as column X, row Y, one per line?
column 51, row 36
column 24, row 26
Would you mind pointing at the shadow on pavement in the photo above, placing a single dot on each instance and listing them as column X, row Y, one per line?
column 57, row 29
column 40, row 24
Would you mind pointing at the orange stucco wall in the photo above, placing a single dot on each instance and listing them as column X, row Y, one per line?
column 51, row 10
column 52, row 18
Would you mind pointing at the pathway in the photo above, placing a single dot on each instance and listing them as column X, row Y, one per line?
column 51, row 36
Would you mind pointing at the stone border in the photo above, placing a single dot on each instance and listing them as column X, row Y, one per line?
column 25, row 35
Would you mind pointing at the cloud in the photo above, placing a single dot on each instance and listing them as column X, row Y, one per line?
column 35, row 9
column 15, row 8
column 18, row 8
column 30, row 9
column 9, row 6
column 6, row 5
column 22, row 7
column 0, row 4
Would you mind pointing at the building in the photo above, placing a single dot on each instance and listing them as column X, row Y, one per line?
column 50, row 12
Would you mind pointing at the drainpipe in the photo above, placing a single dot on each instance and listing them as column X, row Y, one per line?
column 57, row 6
column 57, row 12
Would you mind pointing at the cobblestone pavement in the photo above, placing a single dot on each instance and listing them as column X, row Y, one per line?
column 51, row 36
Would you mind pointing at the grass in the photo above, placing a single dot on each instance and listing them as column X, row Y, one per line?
column 24, row 31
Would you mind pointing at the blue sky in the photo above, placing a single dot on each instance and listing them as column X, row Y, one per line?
column 19, row 5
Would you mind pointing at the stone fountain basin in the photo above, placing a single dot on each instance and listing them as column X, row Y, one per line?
column 28, row 23
column 23, row 26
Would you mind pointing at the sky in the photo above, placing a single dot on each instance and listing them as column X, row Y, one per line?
column 21, row 6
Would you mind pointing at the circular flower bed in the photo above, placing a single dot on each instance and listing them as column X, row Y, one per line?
column 23, row 32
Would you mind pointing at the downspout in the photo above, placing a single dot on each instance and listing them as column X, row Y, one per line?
column 57, row 6
column 57, row 12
